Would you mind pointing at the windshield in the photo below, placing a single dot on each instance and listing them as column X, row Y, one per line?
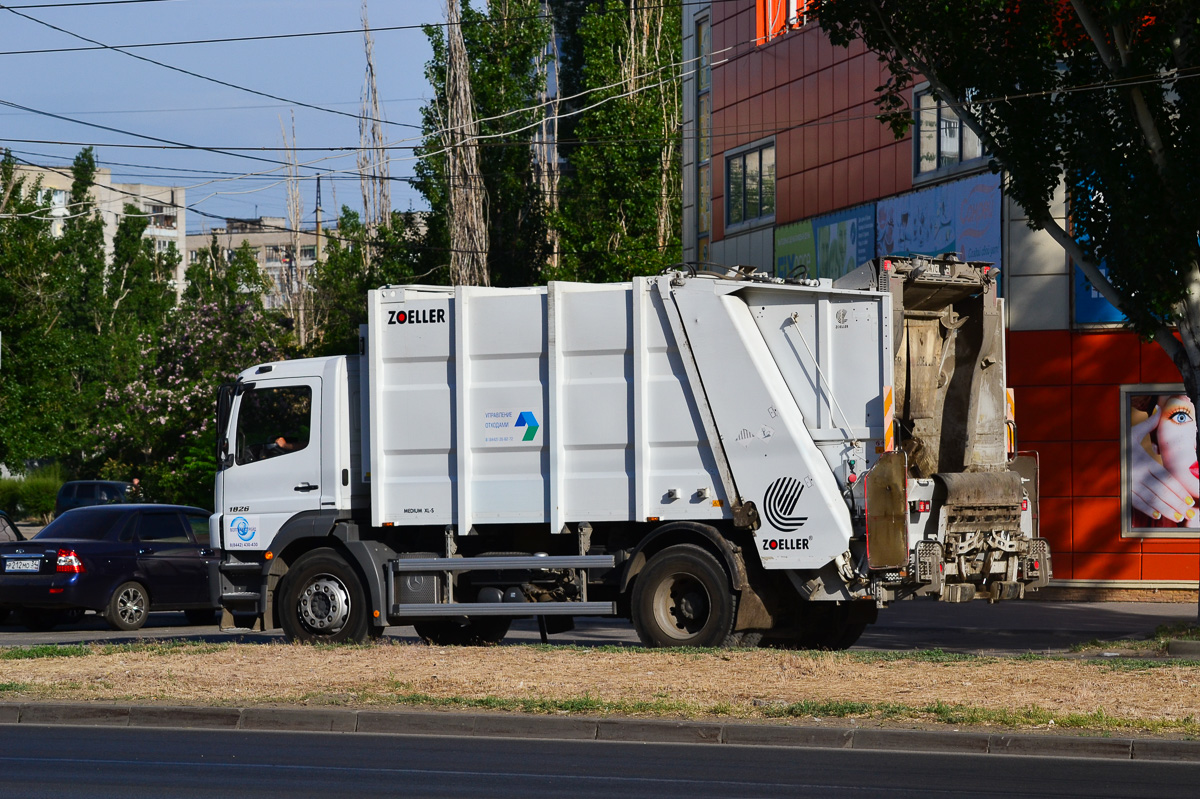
column 79, row 525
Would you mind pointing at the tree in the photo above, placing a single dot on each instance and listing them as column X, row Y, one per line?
column 1092, row 94
column 356, row 261
column 503, row 47
column 35, row 346
column 620, row 202
column 159, row 422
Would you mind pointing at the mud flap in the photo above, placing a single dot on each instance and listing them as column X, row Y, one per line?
column 887, row 512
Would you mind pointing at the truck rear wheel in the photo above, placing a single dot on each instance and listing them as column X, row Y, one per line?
column 827, row 625
column 323, row 601
column 682, row 598
column 480, row 631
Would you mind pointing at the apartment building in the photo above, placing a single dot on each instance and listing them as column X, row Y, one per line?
column 165, row 206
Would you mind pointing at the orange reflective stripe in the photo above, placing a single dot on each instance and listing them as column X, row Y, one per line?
column 889, row 442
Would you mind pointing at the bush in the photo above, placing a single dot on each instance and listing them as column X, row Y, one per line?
column 37, row 497
column 10, row 495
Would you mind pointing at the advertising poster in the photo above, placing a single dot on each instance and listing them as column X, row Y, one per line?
column 1160, row 478
column 845, row 240
column 795, row 247
column 961, row 217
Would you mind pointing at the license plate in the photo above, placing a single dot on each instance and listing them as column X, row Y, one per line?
column 24, row 565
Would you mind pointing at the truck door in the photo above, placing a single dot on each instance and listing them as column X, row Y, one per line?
column 274, row 460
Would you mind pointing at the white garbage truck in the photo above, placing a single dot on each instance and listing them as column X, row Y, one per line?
column 722, row 457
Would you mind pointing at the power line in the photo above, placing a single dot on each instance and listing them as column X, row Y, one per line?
column 190, row 73
column 91, row 3
column 488, row 20
column 161, row 142
column 194, row 109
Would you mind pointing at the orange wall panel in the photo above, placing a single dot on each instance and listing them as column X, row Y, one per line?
column 1170, row 567
column 1054, row 466
column 1097, row 468
column 1039, row 357
column 1096, row 525
column 1105, row 358
column 1170, row 546
column 1106, row 566
column 1055, row 523
column 1156, row 366
column 1038, row 417
column 1063, row 564
column 1096, row 411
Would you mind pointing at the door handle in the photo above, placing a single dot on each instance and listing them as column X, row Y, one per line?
column 146, row 551
column 305, row 487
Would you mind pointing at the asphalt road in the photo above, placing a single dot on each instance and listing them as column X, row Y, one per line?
column 1006, row 628
column 91, row 762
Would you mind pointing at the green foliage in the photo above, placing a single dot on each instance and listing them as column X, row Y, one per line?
column 37, row 497
column 504, row 44
column 620, row 209
column 1092, row 94
column 356, row 263
column 10, row 495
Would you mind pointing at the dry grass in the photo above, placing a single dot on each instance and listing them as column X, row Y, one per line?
column 1160, row 697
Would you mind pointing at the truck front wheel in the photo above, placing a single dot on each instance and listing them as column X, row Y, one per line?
column 683, row 598
column 323, row 600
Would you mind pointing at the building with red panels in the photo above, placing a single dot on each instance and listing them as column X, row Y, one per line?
column 786, row 168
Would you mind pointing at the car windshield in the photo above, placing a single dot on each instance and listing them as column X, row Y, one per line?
column 89, row 526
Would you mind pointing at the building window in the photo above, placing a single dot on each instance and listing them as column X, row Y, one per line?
column 703, row 139
column 750, row 186
column 942, row 141
column 308, row 253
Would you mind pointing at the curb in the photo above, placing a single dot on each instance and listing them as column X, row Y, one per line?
column 516, row 725
column 1185, row 649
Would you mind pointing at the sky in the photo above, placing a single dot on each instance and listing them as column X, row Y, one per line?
column 137, row 99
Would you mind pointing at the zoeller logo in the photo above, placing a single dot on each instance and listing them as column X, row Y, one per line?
column 529, row 422
column 422, row 316
column 780, row 504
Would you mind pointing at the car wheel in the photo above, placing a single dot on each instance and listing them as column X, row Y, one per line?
column 128, row 607
column 323, row 601
column 201, row 616
column 480, row 631
column 683, row 598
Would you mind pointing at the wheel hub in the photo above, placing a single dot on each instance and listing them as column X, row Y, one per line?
column 682, row 606
column 130, row 606
column 324, row 605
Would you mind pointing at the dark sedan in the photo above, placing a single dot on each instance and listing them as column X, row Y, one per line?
column 121, row 561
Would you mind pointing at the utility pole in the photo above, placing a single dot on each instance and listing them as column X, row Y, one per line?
column 318, row 249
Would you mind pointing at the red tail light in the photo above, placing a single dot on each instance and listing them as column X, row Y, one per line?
column 1024, row 505
column 69, row 562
